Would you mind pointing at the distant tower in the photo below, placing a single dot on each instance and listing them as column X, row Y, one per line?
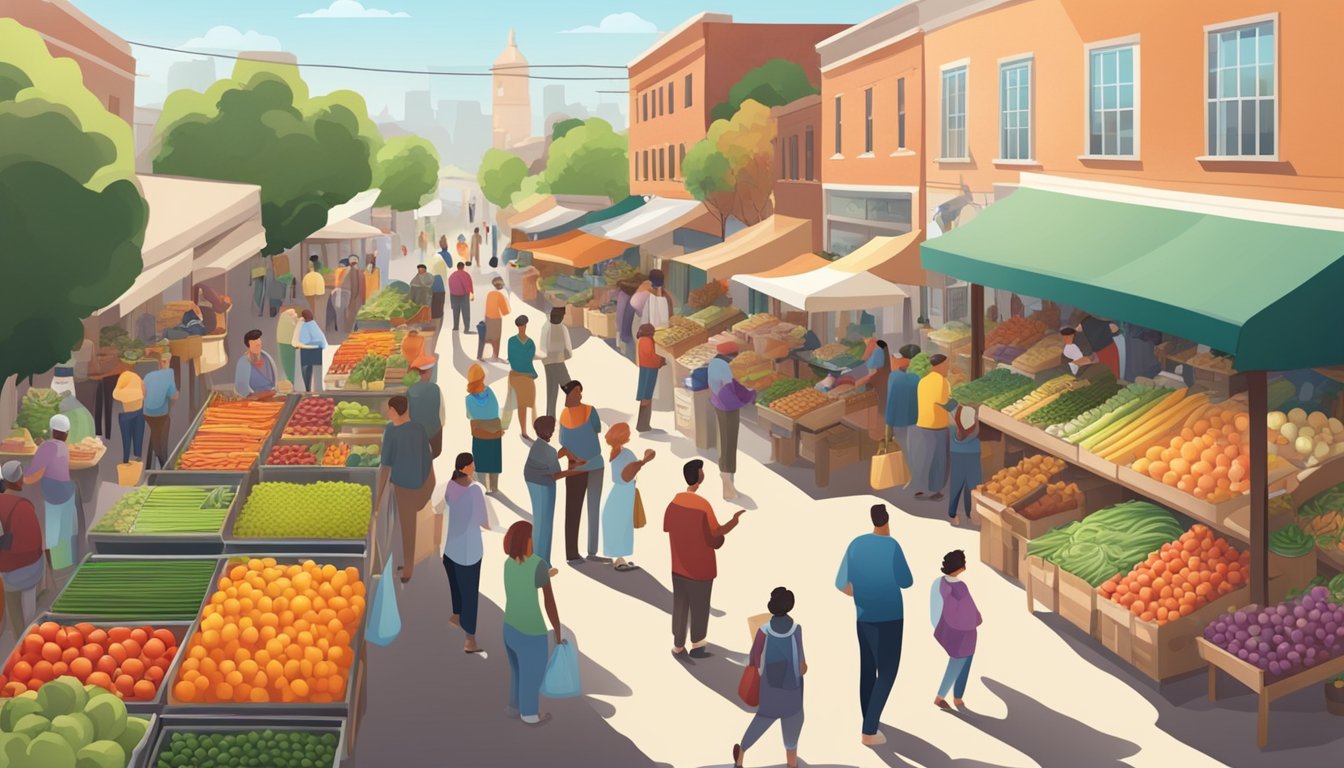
column 511, row 112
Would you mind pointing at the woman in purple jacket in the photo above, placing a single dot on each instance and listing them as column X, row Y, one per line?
column 729, row 397
column 955, row 619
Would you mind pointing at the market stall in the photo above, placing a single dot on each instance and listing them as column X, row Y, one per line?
column 378, row 360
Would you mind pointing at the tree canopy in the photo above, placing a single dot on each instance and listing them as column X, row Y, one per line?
column 500, row 175
column 773, row 84
column 260, row 126
column 562, row 127
column 73, row 217
column 731, row 170
column 590, row 159
column 407, row 173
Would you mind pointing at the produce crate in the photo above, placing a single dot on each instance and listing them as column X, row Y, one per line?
column 1164, row 651
column 359, row 433
column 1255, row 679
column 1042, row 583
column 304, row 475
column 1028, row 434
column 682, row 347
column 170, row 724
column 1295, row 572
column 1077, row 602
column 600, row 324
column 998, row 546
column 1098, row 465
column 575, row 316
column 75, row 618
column 1030, row 529
column 172, row 543
column 1114, row 623
column 833, row 448
column 1026, row 368
column 1231, row 516
column 291, row 402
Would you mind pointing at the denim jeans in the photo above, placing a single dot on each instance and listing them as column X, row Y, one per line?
column 527, row 666
column 543, row 518
column 958, row 670
column 792, row 726
column 464, row 585
column 132, row 434
column 879, row 660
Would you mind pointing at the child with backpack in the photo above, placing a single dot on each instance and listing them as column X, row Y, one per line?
column 777, row 664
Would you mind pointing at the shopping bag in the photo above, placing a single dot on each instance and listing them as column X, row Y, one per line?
column 888, row 469
column 429, row 530
column 562, row 672
column 640, row 519
column 128, row 474
column 384, row 620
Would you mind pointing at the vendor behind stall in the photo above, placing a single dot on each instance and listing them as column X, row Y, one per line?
column 652, row 303
column 901, row 410
column 51, row 468
column 255, row 375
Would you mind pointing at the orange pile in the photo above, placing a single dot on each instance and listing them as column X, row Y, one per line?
column 231, row 434
column 1208, row 458
column 1016, row 332
column 335, row 455
column 128, row 662
column 1180, row 578
column 359, row 344
column 274, row 633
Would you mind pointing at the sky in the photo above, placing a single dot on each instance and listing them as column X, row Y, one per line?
column 425, row 34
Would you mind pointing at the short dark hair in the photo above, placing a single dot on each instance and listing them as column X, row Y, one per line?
column 421, row 266
column 909, row 351
column 399, row 403
column 476, row 229
column 557, row 313
column 544, row 425
column 517, row 538
column 521, row 321
column 937, row 359
column 878, row 513
column 781, row 601
column 307, row 314
column 953, row 561
column 314, row 257
column 1067, row 331
column 251, row 336
column 461, row 265
column 570, row 386
column 690, row 471
column 881, row 343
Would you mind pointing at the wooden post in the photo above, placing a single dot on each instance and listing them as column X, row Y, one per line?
column 1257, row 390
column 977, row 329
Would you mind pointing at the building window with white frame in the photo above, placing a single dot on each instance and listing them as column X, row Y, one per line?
column 953, row 121
column 1112, row 127
column 1015, row 110
column 808, row 153
column 868, row 121
column 686, row 89
column 1242, row 105
column 838, row 126
column 900, row 113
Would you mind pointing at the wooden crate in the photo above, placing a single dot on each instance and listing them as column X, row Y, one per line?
column 1097, row 464
column 1257, row 680
column 1294, row 572
column 1164, row 651
column 999, row 548
column 1042, row 583
column 989, row 519
column 1114, row 628
column 600, row 324
column 1077, row 602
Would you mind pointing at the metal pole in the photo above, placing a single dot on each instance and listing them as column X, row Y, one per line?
column 977, row 329
column 1257, row 390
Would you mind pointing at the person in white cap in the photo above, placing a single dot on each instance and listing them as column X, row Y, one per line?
column 21, row 564
column 51, row 468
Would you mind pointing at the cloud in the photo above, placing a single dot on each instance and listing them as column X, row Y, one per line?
column 352, row 9
column 224, row 38
column 617, row 24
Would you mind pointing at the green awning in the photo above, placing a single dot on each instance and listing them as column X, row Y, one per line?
column 1266, row 293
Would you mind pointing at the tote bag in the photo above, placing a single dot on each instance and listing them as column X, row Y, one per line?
column 385, row 619
column 889, row 468
column 562, row 672
column 749, row 686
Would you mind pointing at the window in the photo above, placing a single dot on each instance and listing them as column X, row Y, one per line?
column 868, row 121
column 783, row 164
column 837, row 125
column 891, row 210
column 114, row 104
column 808, row 153
column 660, row 102
column 793, row 157
column 662, row 164
column 682, row 158
column 671, row 102
column 635, row 171
column 646, row 165
column 900, row 113
column 646, row 106
column 1111, row 127
column 671, row 163
column 954, row 113
column 1241, row 103
column 1015, row 110
column 686, row 89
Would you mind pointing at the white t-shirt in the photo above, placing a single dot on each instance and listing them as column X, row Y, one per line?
column 1072, row 353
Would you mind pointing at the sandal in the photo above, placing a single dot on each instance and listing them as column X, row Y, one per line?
column 627, row 567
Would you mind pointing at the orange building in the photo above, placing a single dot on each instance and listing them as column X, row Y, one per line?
column 798, row 184
column 675, row 85
column 105, row 60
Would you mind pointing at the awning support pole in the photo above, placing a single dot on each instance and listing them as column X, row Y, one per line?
column 1257, row 389
column 977, row 329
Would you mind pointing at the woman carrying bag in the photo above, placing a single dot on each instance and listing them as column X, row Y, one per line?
column 524, row 629
column 487, row 432
column 774, row 676
column 618, row 518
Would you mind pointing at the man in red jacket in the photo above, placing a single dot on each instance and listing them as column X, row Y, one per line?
column 21, row 563
column 695, row 534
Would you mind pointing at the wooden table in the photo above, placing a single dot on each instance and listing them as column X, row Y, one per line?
column 1253, row 677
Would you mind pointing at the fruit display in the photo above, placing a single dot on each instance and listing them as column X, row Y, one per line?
column 19, row 441
column 1010, row 484
column 1322, row 518
column 322, row 510
column 698, row 357
column 350, row 414
column 68, row 725
column 920, row 365
column 617, row 271
column 582, row 298
column 952, row 334
column 1286, row 638
column 311, row 418
column 676, row 333
column 800, row 403
column 1107, row 542
column 1073, row 404
column 1291, row 541
column 293, row 456
column 781, row 388
column 392, row 301
column 36, row 409
column 1042, row 396
column 370, row 369
column 759, row 380
column 231, row 434
column 118, row 341
column 129, row 662
column 364, row 456
column 126, row 590
column 1124, row 441
column 707, row 294
column 755, row 323
column 995, row 384
column 335, row 455
column 85, row 449
column 271, row 748
column 1016, row 332
column 713, row 316
column 169, row 509
column 1120, row 405
column 1181, row 577
column 289, row 630
column 1305, row 439
column 1046, row 353
column 1059, row 497
column 359, row 344
column 1208, row 458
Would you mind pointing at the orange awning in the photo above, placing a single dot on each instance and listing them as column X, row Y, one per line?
column 576, row 249
column 797, row 266
column 894, row 259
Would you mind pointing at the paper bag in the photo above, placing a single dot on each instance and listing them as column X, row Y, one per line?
column 889, row 468
column 429, row 522
column 754, row 623
column 641, row 519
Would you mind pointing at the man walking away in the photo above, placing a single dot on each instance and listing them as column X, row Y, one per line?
column 315, row 288
column 555, row 350
column 461, row 293
column 408, row 465
column 902, row 407
column 874, row 572
column 476, row 247
column 160, row 394
column 694, row 534
column 21, row 561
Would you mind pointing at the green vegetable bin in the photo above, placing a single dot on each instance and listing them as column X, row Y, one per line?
column 211, row 724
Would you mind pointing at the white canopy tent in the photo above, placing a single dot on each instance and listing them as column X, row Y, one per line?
column 656, row 218
column 826, row 289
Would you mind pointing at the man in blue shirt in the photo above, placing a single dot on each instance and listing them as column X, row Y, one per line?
column 874, row 572
column 902, row 406
column 160, row 394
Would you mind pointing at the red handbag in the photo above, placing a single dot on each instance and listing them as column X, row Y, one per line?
column 749, row 687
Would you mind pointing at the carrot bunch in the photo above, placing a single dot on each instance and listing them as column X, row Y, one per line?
column 231, row 434
column 359, row 344
column 1181, row 577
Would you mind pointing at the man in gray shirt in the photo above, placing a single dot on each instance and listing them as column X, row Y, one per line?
column 406, row 462
column 541, row 472
column 555, row 348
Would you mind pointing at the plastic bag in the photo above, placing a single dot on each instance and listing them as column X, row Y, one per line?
column 562, row 673
column 384, row 619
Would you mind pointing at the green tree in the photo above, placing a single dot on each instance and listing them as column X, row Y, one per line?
column 501, row 175
column 531, row 188
column 260, row 126
column 708, row 177
column 773, row 84
column 559, row 130
column 407, row 173
column 73, row 217
column 731, row 170
column 590, row 159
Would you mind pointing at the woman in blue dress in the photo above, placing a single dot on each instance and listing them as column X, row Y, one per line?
column 487, row 433
column 618, row 517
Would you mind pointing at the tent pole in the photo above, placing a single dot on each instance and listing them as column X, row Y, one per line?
column 1257, row 390
column 977, row 329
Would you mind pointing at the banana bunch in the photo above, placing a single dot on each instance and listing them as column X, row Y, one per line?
column 1041, row 396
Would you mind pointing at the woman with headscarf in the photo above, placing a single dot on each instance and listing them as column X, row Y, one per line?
column 955, row 626
column 728, row 397
column 486, row 431
column 650, row 362
column 965, row 461
column 462, row 546
column 618, row 517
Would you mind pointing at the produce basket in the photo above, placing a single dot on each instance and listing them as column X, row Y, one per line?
column 198, row 724
column 173, row 461
column 352, row 433
column 305, row 475
column 114, row 612
column 195, row 543
column 600, row 324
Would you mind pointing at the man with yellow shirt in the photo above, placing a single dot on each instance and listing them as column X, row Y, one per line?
column 315, row 289
column 929, row 440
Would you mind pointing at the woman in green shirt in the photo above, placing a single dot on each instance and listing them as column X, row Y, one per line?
column 524, row 628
